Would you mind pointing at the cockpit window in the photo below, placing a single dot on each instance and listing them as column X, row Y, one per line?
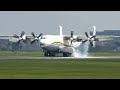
column 44, row 37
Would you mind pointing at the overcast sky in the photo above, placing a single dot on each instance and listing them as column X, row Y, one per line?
column 48, row 22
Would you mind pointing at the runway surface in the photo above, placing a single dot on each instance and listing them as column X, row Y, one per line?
column 26, row 57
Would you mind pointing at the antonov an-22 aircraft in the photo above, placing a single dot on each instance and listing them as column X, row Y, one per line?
column 54, row 44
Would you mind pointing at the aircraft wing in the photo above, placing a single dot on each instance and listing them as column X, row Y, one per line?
column 98, row 38
column 12, row 38
column 104, row 38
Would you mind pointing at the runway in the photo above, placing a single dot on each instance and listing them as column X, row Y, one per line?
column 40, row 58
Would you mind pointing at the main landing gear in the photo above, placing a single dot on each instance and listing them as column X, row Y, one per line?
column 66, row 54
column 47, row 53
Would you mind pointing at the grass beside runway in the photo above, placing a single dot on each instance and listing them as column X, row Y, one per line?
column 17, row 53
column 56, row 69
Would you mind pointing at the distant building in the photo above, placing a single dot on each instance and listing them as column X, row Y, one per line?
column 109, row 45
column 107, row 32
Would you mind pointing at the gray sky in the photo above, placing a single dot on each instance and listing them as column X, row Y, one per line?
column 47, row 22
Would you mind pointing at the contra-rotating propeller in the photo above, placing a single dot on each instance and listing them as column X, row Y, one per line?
column 21, row 37
column 74, row 39
column 36, row 38
column 92, row 38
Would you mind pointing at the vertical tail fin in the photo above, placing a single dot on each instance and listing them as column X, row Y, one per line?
column 94, row 34
column 60, row 30
column 94, row 31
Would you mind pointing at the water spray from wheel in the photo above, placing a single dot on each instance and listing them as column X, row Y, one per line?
column 82, row 50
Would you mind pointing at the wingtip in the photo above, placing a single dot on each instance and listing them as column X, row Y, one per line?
column 94, row 27
column 60, row 26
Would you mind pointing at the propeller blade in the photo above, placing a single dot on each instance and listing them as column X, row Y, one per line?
column 91, row 43
column 32, row 41
column 22, row 33
column 84, row 41
column 72, row 34
column 86, row 34
column 92, row 37
column 40, row 35
column 18, row 42
column 15, row 36
column 33, row 34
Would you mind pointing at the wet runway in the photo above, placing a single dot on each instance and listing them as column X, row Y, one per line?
column 26, row 57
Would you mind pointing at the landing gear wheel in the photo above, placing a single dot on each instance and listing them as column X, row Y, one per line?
column 49, row 54
column 66, row 54
column 46, row 54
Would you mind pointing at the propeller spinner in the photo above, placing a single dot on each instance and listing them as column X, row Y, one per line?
column 36, row 38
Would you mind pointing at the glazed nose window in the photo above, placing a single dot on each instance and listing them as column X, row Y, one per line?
column 43, row 38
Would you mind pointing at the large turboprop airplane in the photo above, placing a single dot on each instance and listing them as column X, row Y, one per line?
column 54, row 44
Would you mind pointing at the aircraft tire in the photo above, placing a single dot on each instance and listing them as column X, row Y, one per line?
column 46, row 54
column 49, row 54
column 66, row 54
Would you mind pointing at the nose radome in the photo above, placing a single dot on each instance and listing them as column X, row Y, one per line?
column 42, row 41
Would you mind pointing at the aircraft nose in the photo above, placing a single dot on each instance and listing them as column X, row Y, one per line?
column 41, row 42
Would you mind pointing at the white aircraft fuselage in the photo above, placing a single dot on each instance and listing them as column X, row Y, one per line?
column 57, row 44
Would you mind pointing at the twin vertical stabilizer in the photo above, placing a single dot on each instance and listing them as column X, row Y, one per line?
column 60, row 31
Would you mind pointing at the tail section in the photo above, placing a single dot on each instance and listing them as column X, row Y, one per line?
column 94, row 31
column 94, row 35
column 61, row 31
